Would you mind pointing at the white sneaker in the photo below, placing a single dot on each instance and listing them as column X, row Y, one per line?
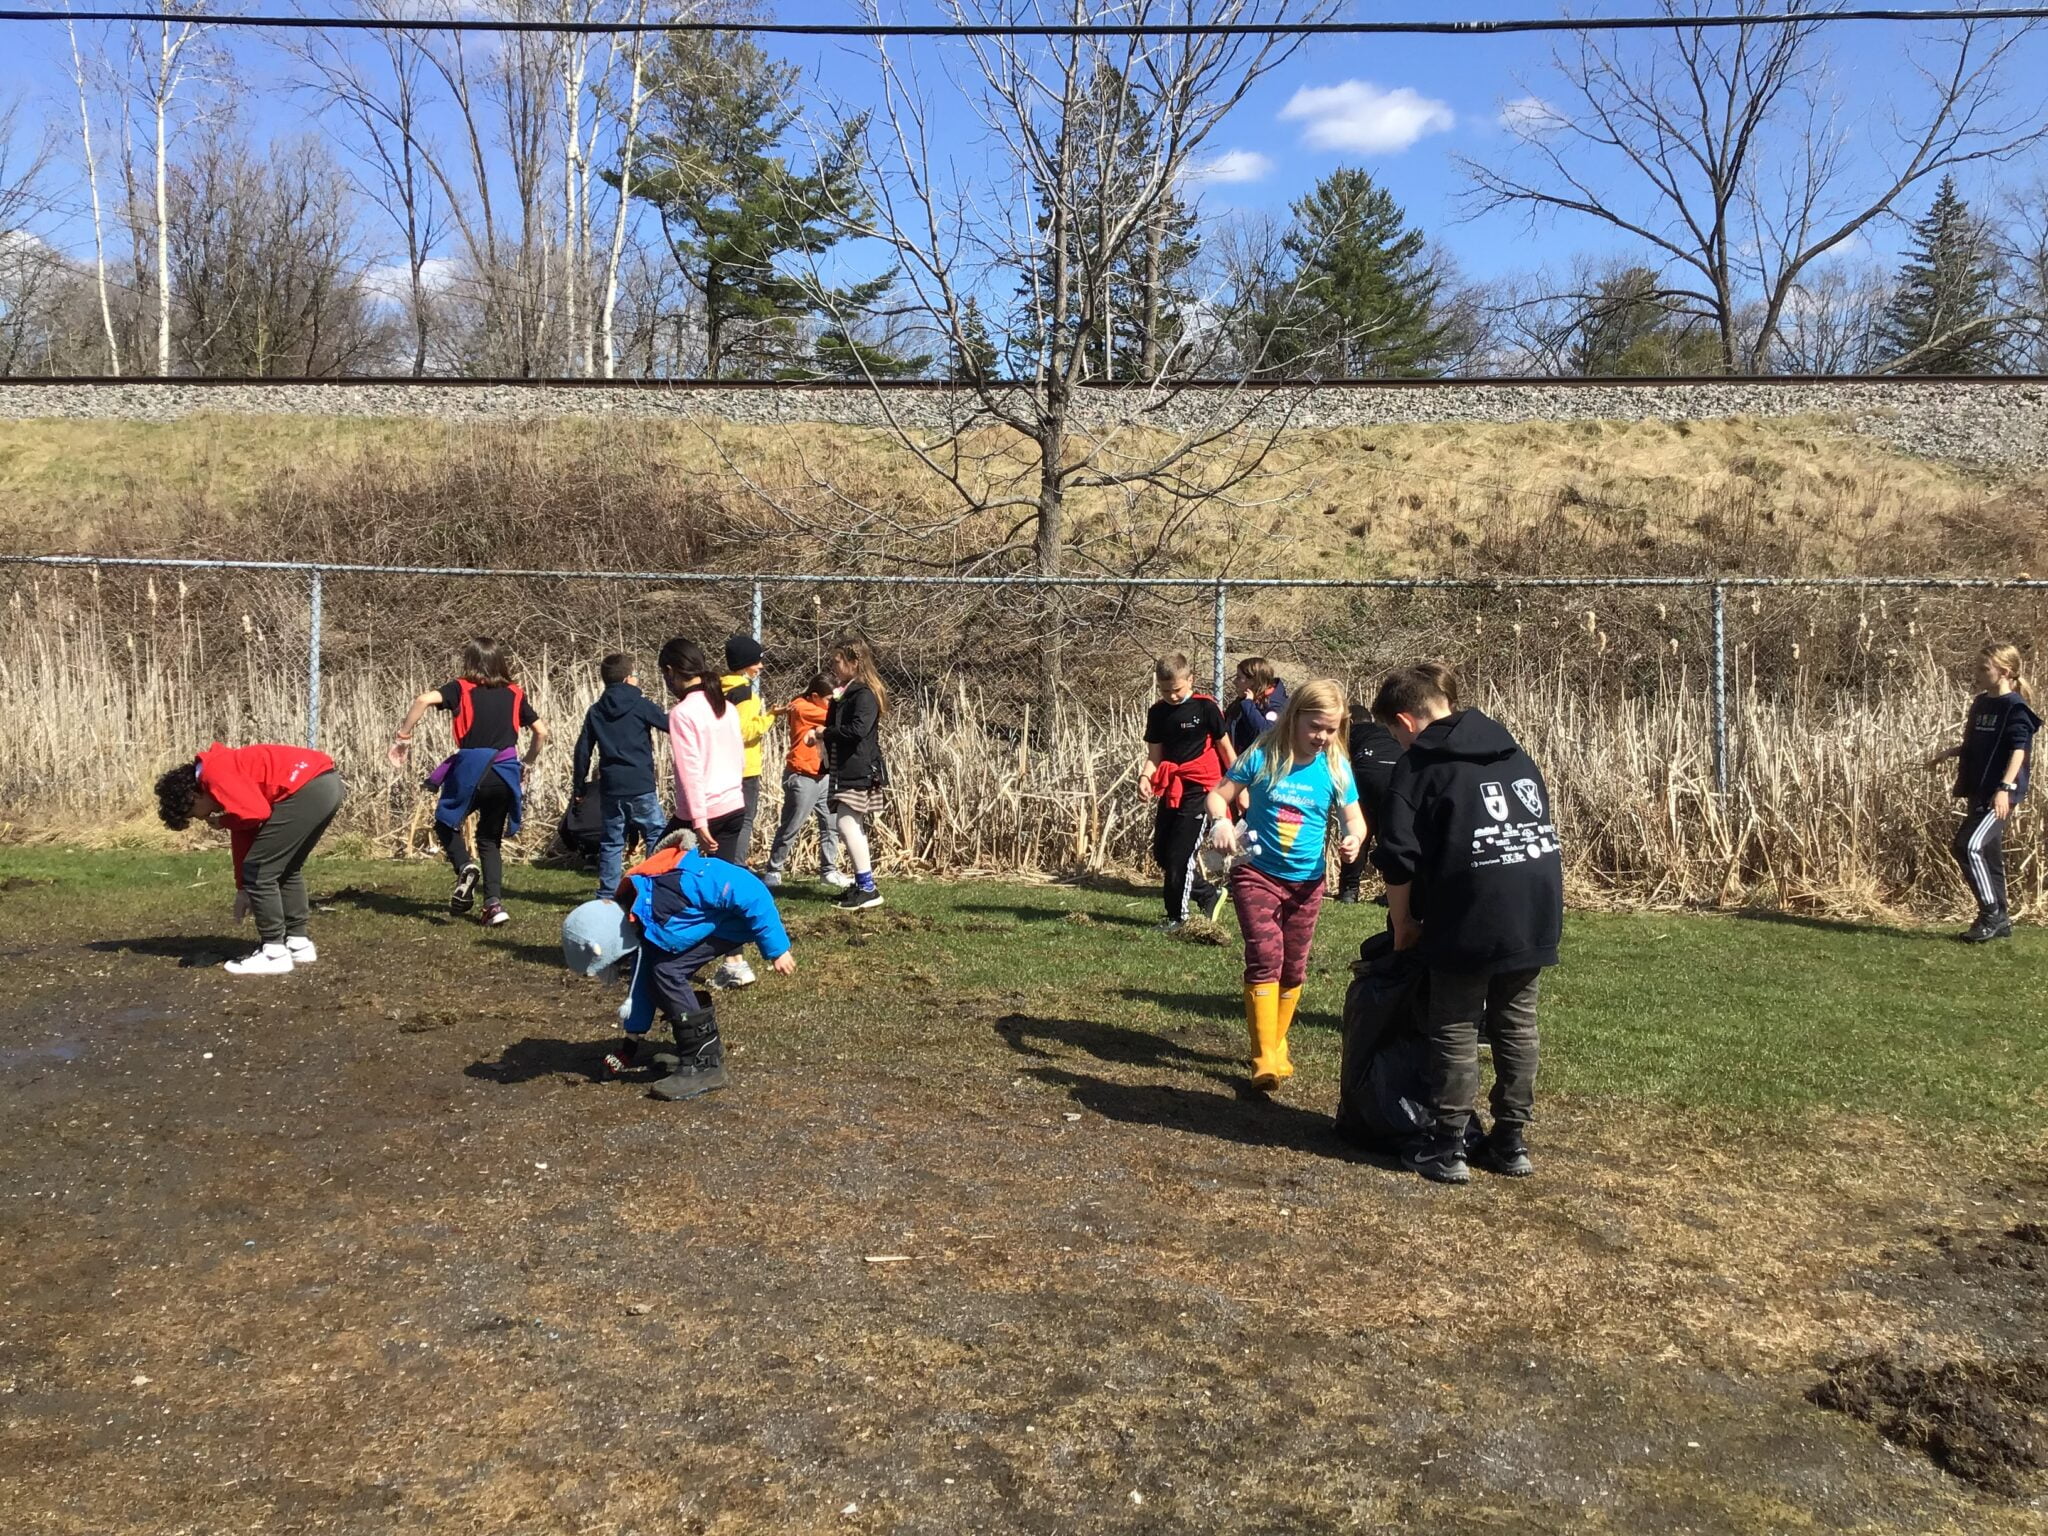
column 301, row 951
column 836, row 880
column 732, row 974
column 773, row 880
column 270, row 960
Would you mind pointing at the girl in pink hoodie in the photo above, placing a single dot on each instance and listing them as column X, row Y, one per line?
column 707, row 750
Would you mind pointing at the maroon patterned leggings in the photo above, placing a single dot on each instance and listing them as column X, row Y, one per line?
column 1278, row 920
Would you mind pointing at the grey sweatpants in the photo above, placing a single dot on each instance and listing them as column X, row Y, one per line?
column 1461, row 1005
column 804, row 796
column 271, row 868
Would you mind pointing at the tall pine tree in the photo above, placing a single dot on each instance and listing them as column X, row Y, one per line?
column 1362, row 301
column 1943, row 318
column 732, row 207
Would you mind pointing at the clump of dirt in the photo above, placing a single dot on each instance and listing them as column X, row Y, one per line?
column 1199, row 930
column 20, row 883
column 1979, row 1421
column 2029, row 1232
column 1080, row 920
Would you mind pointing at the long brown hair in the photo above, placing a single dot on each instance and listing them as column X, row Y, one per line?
column 854, row 652
column 686, row 658
column 2007, row 659
column 487, row 664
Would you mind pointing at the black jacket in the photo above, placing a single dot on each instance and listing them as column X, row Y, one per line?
column 1373, row 755
column 1999, row 725
column 617, row 727
column 853, row 746
column 1469, row 824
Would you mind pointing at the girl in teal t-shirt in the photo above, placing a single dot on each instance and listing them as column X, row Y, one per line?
column 1289, row 786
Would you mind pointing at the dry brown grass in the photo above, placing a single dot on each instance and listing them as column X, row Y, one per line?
column 1829, row 810
column 1797, row 495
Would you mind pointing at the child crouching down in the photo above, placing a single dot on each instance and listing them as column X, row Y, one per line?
column 677, row 912
column 1290, row 783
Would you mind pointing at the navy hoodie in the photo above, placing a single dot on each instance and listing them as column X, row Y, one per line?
column 617, row 727
column 2000, row 725
column 1249, row 719
column 1469, row 825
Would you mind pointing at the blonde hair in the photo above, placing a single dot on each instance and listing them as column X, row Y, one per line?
column 2007, row 659
column 1317, row 696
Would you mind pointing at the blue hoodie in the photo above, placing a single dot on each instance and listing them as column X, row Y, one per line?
column 703, row 898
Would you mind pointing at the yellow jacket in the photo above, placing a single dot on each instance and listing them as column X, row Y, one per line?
column 744, row 694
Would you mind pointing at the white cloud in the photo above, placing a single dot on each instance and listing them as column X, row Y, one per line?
column 1358, row 115
column 1529, row 116
column 1230, row 168
column 393, row 283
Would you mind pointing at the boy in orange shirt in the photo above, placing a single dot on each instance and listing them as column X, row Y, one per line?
column 806, row 787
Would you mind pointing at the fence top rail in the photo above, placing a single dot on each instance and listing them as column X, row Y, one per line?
column 1026, row 579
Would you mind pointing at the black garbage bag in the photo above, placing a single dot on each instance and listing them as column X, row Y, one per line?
column 581, row 828
column 1381, row 1103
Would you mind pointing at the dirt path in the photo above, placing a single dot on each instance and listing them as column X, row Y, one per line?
column 372, row 1252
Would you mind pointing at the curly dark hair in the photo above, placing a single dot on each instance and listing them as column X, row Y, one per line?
column 175, row 793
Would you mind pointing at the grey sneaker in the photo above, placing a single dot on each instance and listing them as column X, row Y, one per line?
column 772, row 879
column 464, row 897
column 1438, row 1163
column 836, row 879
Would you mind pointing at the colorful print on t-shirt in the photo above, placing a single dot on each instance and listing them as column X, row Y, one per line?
column 1291, row 818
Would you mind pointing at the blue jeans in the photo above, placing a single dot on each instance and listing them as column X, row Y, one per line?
column 645, row 814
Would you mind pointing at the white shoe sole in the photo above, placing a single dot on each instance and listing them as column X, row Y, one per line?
column 266, row 968
column 306, row 956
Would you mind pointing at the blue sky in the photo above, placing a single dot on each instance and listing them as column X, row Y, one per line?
column 1403, row 108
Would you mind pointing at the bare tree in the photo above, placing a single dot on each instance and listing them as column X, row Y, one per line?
column 385, row 97
column 92, row 182
column 160, row 54
column 1723, row 151
column 1148, row 449
column 267, row 269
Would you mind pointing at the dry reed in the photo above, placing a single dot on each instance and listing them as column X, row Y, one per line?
column 1829, row 810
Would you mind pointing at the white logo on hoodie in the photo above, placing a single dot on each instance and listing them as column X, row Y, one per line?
column 1527, row 792
column 1496, row 801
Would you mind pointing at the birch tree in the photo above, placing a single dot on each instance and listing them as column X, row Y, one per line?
column 92, row 183
column 160, row 54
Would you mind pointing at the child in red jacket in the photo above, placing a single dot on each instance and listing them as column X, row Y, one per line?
column 274, row 802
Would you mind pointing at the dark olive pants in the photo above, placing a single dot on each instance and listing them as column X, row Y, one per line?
column 271, row 869
column 1461, row 1008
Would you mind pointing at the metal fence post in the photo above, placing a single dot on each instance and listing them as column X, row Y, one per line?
column 757, row 610
column 313, row 664
column 1222, row 618
column 1720, row 689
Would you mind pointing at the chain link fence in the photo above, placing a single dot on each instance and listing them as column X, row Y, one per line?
column 1710, row 739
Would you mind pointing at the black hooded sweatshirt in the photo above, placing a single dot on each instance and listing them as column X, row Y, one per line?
column 1469, row 825
column 617, row 727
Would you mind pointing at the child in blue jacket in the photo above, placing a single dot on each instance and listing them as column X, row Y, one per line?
column 679, row 911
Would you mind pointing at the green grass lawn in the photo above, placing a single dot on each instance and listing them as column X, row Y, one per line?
column 1734, row 1017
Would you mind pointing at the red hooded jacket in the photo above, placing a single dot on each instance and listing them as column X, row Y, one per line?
column 248, row 781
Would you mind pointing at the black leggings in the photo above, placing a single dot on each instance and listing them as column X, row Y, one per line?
column 725, row 828
column 1177, row 833
column 492, row 807
column 1980, row 850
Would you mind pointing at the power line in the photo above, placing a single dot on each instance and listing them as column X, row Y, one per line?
column 1480, row 28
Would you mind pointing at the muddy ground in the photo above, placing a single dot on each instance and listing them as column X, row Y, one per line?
column 373, row 1249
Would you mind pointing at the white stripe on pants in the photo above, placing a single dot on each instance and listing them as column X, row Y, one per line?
column 1980, row 851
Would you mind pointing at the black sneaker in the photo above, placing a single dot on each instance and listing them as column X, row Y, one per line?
column 1992, row 925
column 854, row 899
column 1438, row 1163
column 1504, row 1152
column 466, row 883
column 1349, row 895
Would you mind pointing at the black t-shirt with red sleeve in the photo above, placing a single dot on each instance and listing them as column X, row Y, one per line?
column 492, row 722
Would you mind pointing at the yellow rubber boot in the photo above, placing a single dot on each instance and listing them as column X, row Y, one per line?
column 1289, row 999
column 1262, row 1017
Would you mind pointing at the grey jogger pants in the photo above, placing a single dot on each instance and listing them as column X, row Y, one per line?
column 271, row 868
column 1461, row 1005
column 804, row 796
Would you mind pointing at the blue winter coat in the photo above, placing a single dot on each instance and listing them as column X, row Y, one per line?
column 703, row 898
column 461, row 773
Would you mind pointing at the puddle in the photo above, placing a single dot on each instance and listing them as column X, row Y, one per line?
column 15, row 1057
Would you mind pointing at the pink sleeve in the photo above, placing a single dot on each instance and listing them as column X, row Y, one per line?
column 686, row 747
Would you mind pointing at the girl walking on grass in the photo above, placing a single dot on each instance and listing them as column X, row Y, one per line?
column 853, row 756
column 709, row 754
column 1995, row 753
column 484, row 775
column 1290, row 785
column 274, row 802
